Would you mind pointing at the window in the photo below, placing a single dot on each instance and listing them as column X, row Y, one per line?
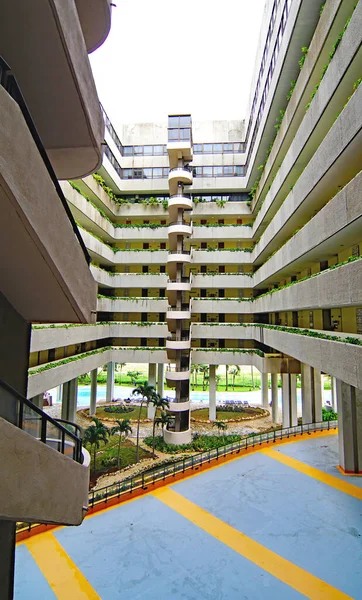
column 162, row 293
column 203, row 222
column 157, row 173
column 143, row 341
column 144, row 293
column 239, row 221
column 144, row 268
column 217, row 148
column 146, row 245
column 203, row 269
column 221, row 245
column 162, row 268
column 221, row 221
column 355, row 251
column 221, row 268
column 203, row 245
column 163, row 246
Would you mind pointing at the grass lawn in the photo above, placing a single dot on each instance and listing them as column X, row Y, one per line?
column 133, row 415
column 106, row 460
column 202, row 414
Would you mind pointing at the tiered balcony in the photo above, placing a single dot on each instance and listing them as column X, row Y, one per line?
column 179, row 174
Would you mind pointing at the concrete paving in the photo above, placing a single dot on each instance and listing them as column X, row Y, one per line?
column 278, row 523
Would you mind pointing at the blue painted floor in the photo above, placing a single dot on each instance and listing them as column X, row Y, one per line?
column 144, row 549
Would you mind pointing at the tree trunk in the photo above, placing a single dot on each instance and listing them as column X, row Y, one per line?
column 138, row 434
column 94, row 460
column 226, row 377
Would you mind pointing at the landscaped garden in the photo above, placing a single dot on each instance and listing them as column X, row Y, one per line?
column 229, row 413
column 118, row 411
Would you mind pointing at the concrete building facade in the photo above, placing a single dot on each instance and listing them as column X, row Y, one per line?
column 248, row 250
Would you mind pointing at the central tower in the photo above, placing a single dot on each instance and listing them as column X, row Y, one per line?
column 178, row 344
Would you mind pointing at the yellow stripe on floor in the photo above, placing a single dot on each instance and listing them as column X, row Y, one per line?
column 62, row 574
column 338, row 484
column 279, row 567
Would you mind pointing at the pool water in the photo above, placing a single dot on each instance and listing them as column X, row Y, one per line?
column 125, row 392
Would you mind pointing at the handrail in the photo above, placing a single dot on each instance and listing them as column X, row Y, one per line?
column 9, row 83
column 66, row 437
column 180, row 252
column 187, row 196
column 195, row 461
column 179, row 223
column 185, row 168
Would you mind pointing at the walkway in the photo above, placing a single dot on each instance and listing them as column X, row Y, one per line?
column 279, row 523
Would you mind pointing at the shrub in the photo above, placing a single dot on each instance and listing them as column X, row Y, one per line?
column 118, row 409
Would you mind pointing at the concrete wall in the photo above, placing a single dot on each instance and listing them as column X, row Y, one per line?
column 38, row 483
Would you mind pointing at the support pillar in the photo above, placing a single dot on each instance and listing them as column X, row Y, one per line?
column 334, row 393
column 317, row 396
column 307, row 413
column 14, row 362
column 274, row 396
column 212, row 392
column 289, row 400
column 110, row 382
column 58, row 393
column 349, row 404
column 69, row 400
column 264, row 390
column 160, row 379
column 38, row 401
column 151, row 381
column 293, row 400
column 93, row 393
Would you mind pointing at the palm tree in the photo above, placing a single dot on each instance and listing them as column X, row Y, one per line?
column 120, row 367
column 221, row 425
column 158, row 403
column 234, row 371
column 163, row 420
column 204, row 369
column 146, row 391
column 94, row 435
column 123, row 428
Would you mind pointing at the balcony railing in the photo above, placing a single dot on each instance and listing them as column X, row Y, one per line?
column 9, row 83
column 180, row 252
column 63, row 436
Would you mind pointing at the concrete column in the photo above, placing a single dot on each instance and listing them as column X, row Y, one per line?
column 93, row 392
column 38, row 401
column 307, row 394
column 212, row 392
column 317, row 396
column 349, row 404
column 151, row 381
column 110, row 382
column 289, row 400
column 274, row 397
column 293, row 400
column 160, row 379
column 58, row 393
column 264, row 390
column 334, row 393
column 14, row 362
column 285, row 400
column 69, row 400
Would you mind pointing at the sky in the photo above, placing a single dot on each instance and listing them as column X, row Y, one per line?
column 192, row 56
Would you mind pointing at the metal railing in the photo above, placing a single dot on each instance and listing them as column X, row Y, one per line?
column 183, row 195
column 9, row 83
column 194, row 462
column 185, row 168
column 63, row 436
